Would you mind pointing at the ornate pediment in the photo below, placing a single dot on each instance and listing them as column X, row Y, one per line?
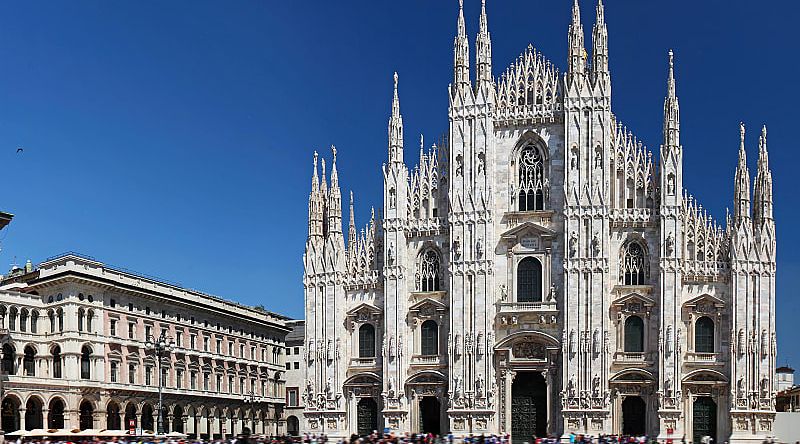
column 633, row 303
column 363, row 313
column 428, row 308
column 705, row 304
column 527, row 229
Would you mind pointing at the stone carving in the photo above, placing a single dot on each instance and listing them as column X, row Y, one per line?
column 596, row 245
column 573, row 244
column 528, row 350
column 390, row 255
column 479, row 249
column 503, row 293
column 670, row 244
column 551, row 295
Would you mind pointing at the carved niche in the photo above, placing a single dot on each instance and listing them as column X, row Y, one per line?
column 528, row 349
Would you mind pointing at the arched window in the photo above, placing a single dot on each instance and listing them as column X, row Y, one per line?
column 430, row 338
column 529, row 280
column 366, row 341
column 29, row 361
column 634, row 335
column 89, row 319
column 23, row 319
column 429, row 271
column 8, row 359
column 34, row 322
column 86, row 362
column 634, row 265
column 57, row 362
column 12, row 318
column 531, row 179
column 704, row 335
column 60, row 319
column 80, row 319
column 55, row 414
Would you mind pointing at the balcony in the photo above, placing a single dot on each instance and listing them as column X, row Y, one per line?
column 364, row 362
column 514, row 313
column 427, row 360
column 703, row 358
column 528, row 307
column 632, row 358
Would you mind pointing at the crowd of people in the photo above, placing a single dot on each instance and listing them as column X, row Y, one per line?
column 374, row 438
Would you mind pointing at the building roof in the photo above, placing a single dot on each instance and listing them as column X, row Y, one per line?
column 297, row 335
column 70, row 264
column 784, row 369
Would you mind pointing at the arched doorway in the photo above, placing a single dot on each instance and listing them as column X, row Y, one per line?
column 704, row 419
column 112, row 420
column 177, row 419
column 293, row 426
column 367, row 416
column 33, row 414
column 130, row 416
column 528, row 407
column 55, row 414
column 634, row 414
column 10, row 413
column 147, row 418
column 430, row 414
column 86, row 415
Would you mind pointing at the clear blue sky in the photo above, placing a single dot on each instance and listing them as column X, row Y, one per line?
column 175, row 138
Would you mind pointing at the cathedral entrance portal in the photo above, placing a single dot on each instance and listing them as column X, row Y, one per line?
column 430, row 410
column 528, row 407
column 634, row 411
column 704, row 419
column 367, row 416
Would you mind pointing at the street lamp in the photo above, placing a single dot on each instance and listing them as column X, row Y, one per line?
column 251, row 400
column 162, row 346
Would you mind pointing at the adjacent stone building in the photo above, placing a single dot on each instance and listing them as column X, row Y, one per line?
column 73, row 354
column 539, row 272
column 295, row 376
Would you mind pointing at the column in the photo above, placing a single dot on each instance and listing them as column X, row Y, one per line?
column 21, row 418
column 548, row 381
column 510, row 376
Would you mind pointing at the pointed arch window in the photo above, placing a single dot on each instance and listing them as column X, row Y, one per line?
column 366, row 341
column 430, row 338
column 704, row 335
column 529, row 280
column 634, row 264
column 9, row 355
column 530, row 179
column 634, row 335
column 429, row 271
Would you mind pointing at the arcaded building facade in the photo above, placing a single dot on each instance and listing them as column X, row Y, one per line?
column 74, row 354
column 540, row 271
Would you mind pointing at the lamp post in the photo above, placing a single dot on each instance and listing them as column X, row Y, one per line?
column 162, row 346
column 251, row 400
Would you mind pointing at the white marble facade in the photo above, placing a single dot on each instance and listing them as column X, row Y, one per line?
column 539, row 272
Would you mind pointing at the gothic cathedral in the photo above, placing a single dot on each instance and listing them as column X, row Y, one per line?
column 539, row 273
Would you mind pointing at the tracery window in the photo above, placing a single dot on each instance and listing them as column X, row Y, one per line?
column 704, row 335
column 531, row 179
column 430, row 338
column 634, row 266
column 529, row 280
column 634, row 335
column 366, row 341
column 429, row 271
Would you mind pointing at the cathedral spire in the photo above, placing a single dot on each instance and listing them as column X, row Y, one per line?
column 396, row 129
column 741, row 209
column 600, row 43
column 577, row 50
column 461, row 52
column 762, row 192
column 314, row 207
column 334, row 199
column 483, row 50
column 351, row 232
column 672, row 113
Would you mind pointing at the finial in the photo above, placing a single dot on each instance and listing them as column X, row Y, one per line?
column 421, row 142
column 351, row 198
column 323, row 167
column 671, row 55
column 395, row 81
column 460, row 4
column 316, row 155
column 764, row 132
column 333, row 150
column 741, row 132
